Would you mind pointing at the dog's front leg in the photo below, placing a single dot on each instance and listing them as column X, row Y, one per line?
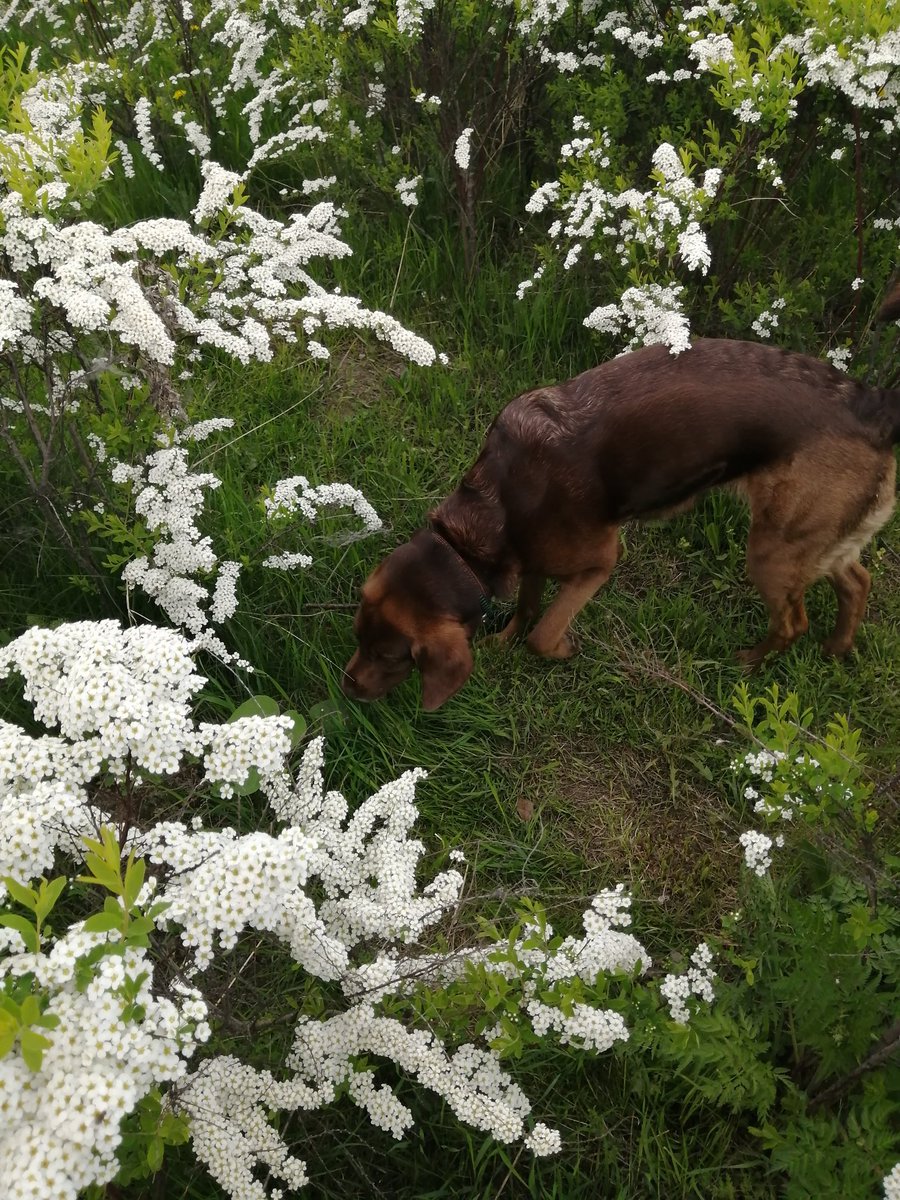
column 551, row 637
column 528, row 605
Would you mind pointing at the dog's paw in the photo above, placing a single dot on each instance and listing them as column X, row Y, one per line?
column 834, row 647
column 567, row 646
column 751, row 658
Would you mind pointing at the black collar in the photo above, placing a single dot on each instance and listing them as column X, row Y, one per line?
column 484, row 592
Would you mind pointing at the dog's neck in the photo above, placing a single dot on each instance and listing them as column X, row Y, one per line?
column 470, row 573
column 473, row 524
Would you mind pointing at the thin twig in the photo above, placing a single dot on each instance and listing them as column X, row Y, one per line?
column 886, row 1046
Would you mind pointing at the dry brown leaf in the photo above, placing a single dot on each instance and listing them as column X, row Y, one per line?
column 525, row 808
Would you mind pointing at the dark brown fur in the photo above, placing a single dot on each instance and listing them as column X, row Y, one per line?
column 640, row 436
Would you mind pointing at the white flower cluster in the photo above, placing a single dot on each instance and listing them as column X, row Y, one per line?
column 168, row 497
column 585, row 1026
column 116, row 695
column 47, row 125
column 409, row 14
column 762, row 763
column 604, row 949
column 768, row 319
column 839, row 356
column 101, row 1060
column 142, row 116
column 463, row 149
column 653, row 223
column 407, row 189
column 221, row 884
column 297, row 495
column 543, row 1140
column 631, row 218
column 229, row 1102
column 863, row 69
column 15, row 314
column 653, row 313
column 757, row 851
column 696, row 981
column 286, row 561
column 151, row 295
column 122, row 701
column 119, row 698
column 891, row 1184
column 329, row 883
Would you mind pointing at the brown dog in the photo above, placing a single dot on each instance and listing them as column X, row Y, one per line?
column 641, row 436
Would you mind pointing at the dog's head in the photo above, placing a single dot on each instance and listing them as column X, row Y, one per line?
column 419, row 608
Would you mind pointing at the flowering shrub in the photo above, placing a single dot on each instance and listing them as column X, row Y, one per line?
column 792, row 781
column 86, row 307
column 327, row 886
column 373, row 95
column 800, row 1042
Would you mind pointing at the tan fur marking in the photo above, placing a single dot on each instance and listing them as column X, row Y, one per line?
column 397, row 613
column 847, row 550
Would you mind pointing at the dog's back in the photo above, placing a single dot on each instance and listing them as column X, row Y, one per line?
column 643, row 432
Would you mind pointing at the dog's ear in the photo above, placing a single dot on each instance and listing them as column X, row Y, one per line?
column 445, row 663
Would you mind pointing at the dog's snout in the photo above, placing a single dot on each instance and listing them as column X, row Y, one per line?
column 349, row 686
column 349, row 683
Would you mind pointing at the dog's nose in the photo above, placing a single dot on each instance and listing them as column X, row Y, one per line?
column 349, row 686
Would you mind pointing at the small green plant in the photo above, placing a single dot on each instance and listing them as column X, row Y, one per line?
column 804, row 1029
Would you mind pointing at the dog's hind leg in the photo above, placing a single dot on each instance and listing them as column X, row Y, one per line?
column 781, row 572
column 841, row 566
column 528, row 605
column 851, row 584
column 551, row 637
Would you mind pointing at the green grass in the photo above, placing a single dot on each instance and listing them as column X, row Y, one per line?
column 557, row 778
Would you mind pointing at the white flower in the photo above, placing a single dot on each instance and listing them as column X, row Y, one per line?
column 891, row 1184
column 696, row 981
column 406, row 188
column 653, row 313
column 840, row 357
column 667, row 161
column 543, row 1141
column 757, row 851
column 463, row 148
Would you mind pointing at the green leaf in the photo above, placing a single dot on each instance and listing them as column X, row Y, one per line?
column 9, row 1013
column 33, row 1047
column 256, row 706
column 104, row 922
column 23, row 926
column 298, row 729
column 250, row 784
column 49, row 894
column 21, row 893
column 140, row 924
column 103, row 877
column 7, row 1038
column 31, row 1010
column 156, row 1148
column 134, row 879
column 174, row 1128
